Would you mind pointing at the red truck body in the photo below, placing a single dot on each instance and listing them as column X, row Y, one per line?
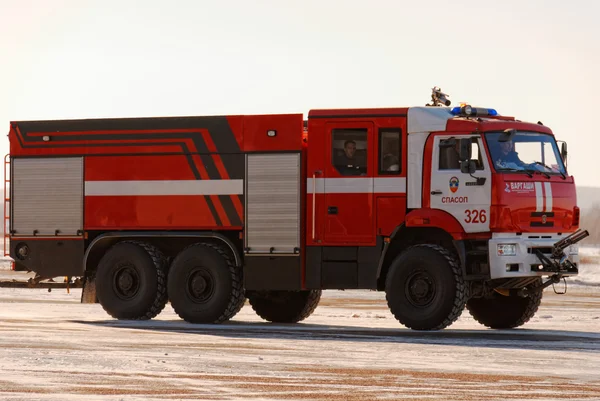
column 268, row 191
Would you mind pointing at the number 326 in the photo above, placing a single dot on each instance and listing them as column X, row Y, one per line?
column 475, row 216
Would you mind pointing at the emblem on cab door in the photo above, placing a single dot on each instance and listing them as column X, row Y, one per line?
column 453, row 184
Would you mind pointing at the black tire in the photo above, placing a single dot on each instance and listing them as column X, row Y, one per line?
column 131, row 281
column 204, row 285
column 284, row 306
column 425, row 289
column 504, row 312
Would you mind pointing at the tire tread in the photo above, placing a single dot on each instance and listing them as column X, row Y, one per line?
column 269, row 310
column 160, row 262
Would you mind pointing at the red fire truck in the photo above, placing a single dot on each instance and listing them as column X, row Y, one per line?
column 440, row 207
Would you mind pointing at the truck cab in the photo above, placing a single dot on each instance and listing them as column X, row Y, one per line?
column 511, row 184
column 486, row 193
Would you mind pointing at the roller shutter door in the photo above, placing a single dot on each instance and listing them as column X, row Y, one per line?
column 273, row 203
column 47, row 195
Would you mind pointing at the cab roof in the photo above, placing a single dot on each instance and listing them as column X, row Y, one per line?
column 354, row 113
column 429, row 119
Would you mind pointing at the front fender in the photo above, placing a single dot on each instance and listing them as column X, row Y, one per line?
column 436, row 218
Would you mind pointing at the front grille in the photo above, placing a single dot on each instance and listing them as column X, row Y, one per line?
column 540, row 224
column 542, row 219
column 547, row 250
column 540, row 214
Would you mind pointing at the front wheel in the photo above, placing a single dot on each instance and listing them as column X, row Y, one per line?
column 504, row 312
column 284, row 306
column 425, row 289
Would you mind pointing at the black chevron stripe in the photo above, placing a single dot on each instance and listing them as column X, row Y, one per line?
column 213, row 174
column 233, row 161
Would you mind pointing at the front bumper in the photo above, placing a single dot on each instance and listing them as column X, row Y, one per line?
column 525, row 263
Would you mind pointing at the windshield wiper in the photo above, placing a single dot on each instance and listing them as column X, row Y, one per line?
column 532, row 171
column 550, row 168
column 516, row 170
column 542, row 172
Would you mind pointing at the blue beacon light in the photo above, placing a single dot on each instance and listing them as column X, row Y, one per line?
column 467, row 110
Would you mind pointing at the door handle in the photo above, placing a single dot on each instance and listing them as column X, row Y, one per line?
column 332, row 210
column 436, row 192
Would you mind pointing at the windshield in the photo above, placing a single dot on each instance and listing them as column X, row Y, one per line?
column 525, row 151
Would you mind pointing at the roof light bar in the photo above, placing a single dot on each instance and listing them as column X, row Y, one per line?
column 468, row 111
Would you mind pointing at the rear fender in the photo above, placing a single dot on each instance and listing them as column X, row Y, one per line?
column 104, row 241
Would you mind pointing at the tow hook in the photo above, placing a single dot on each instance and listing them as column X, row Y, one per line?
column 551, row 281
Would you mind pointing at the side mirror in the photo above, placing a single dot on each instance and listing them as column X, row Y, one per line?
column 465, row 149
column 563, row 152
column 468, row 166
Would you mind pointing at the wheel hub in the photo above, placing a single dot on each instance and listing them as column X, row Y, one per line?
column 420, row 288
column 126, row 282
column 200, row 286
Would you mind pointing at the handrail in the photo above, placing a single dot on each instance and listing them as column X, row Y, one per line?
column 6, row 200
column 7, row 207
column 314, row 199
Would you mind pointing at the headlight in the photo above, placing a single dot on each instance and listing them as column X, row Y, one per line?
column 507, row 249
column 574, row 249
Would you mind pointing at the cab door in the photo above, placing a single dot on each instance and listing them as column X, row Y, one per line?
column 348, row 184
column 465, row 196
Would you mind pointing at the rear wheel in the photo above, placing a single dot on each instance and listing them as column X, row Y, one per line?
column 504, row 312
column 425, row 289
column 204, row 284
column 284, row 306
column 131, row 281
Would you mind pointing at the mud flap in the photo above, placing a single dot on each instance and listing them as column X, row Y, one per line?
column 88, row 294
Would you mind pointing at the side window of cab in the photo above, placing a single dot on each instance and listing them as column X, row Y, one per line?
column 350, row 151
column 449, row 156
column 390, row 151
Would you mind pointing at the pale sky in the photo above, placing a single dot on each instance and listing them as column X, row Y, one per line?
column 535, row 60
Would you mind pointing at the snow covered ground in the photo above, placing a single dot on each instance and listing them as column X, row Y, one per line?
column 52, row 347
